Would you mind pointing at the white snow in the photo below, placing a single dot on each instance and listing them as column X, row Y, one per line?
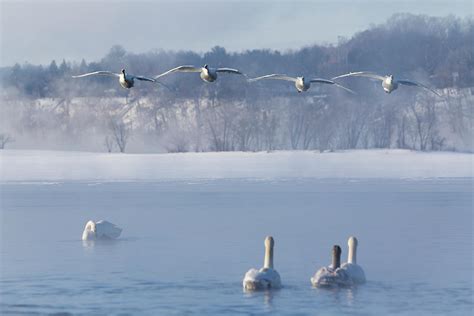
column 33, row 165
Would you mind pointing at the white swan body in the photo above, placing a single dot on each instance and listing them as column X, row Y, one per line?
column 332, row 275
column 100, row 230
column 301, row 84
column 389, row 83
column 127, row 81
column 329, row 277
column 266, row 278
column 207, row 73
column 355, row 271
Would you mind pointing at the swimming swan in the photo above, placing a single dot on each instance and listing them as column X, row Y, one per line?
column 100, row 230
column 207, row 74
column 301, row 83
column 332, row 275
column 355, row 271
column 389, row 83
column 127, row 81
column 266, row 277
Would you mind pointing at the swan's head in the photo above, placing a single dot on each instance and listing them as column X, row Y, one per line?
column 352, row 242
column 123, row 71
column 269, row 242
column 390, row 78
column 206, row 66
column 89, row 231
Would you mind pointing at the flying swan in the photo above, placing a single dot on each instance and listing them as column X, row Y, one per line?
column 207, row 74
column 127, row 81
column 266, row 277
column 355, row 271
column 101, row 230
column 389, row 83
column 332, row 275
column 301, row 83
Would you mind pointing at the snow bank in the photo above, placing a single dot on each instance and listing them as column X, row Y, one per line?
column 29, row 165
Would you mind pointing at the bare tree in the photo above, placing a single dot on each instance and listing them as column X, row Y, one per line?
column 402, row 130
column 221, row 122
column 354, row 122
column 109, row 143
column 177, row 142
column 459, row 113
column 5, row 139
column 297, row 122
column 120, row 133
column 383, row 127
column 424, row 121
column 269, row 125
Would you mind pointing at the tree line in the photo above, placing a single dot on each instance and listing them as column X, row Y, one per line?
column 230, row 114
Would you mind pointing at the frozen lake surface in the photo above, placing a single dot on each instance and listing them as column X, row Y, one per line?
column 187, row 244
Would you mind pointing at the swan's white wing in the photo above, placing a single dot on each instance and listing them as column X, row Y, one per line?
column 229, row 70
column 361, row 74
column 328, row 277
column 185, row 68
column 319, row 276
column 274, row 76
column 355, row 272
column 101, row 73
column 326, row 81
column 164, row 85
column 107, row 230
column 342, row 87
column 319, row 80
column 143, row 78
column 414, row 83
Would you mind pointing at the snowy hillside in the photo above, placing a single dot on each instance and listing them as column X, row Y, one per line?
column 20, row 165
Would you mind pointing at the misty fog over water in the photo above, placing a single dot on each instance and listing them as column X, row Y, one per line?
column 43, row 107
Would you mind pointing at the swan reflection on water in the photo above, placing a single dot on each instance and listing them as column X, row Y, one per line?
column 266, row 296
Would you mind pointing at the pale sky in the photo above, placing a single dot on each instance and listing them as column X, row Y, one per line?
column 40, row 31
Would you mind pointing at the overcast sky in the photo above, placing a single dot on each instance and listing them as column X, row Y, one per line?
column 40, row 31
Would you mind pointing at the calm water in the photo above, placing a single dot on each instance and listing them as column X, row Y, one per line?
column 186, row 246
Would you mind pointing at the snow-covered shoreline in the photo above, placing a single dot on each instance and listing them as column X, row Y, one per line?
column 33, row 165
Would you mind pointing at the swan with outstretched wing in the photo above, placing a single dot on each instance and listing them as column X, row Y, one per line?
column 389, row 83
column 207, row 73
column 126, row 80
column 300, row 83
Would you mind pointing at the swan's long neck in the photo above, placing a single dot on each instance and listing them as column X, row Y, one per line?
column 352, row 255
column 336, row 257
column 268, row 263
column 89, row 231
